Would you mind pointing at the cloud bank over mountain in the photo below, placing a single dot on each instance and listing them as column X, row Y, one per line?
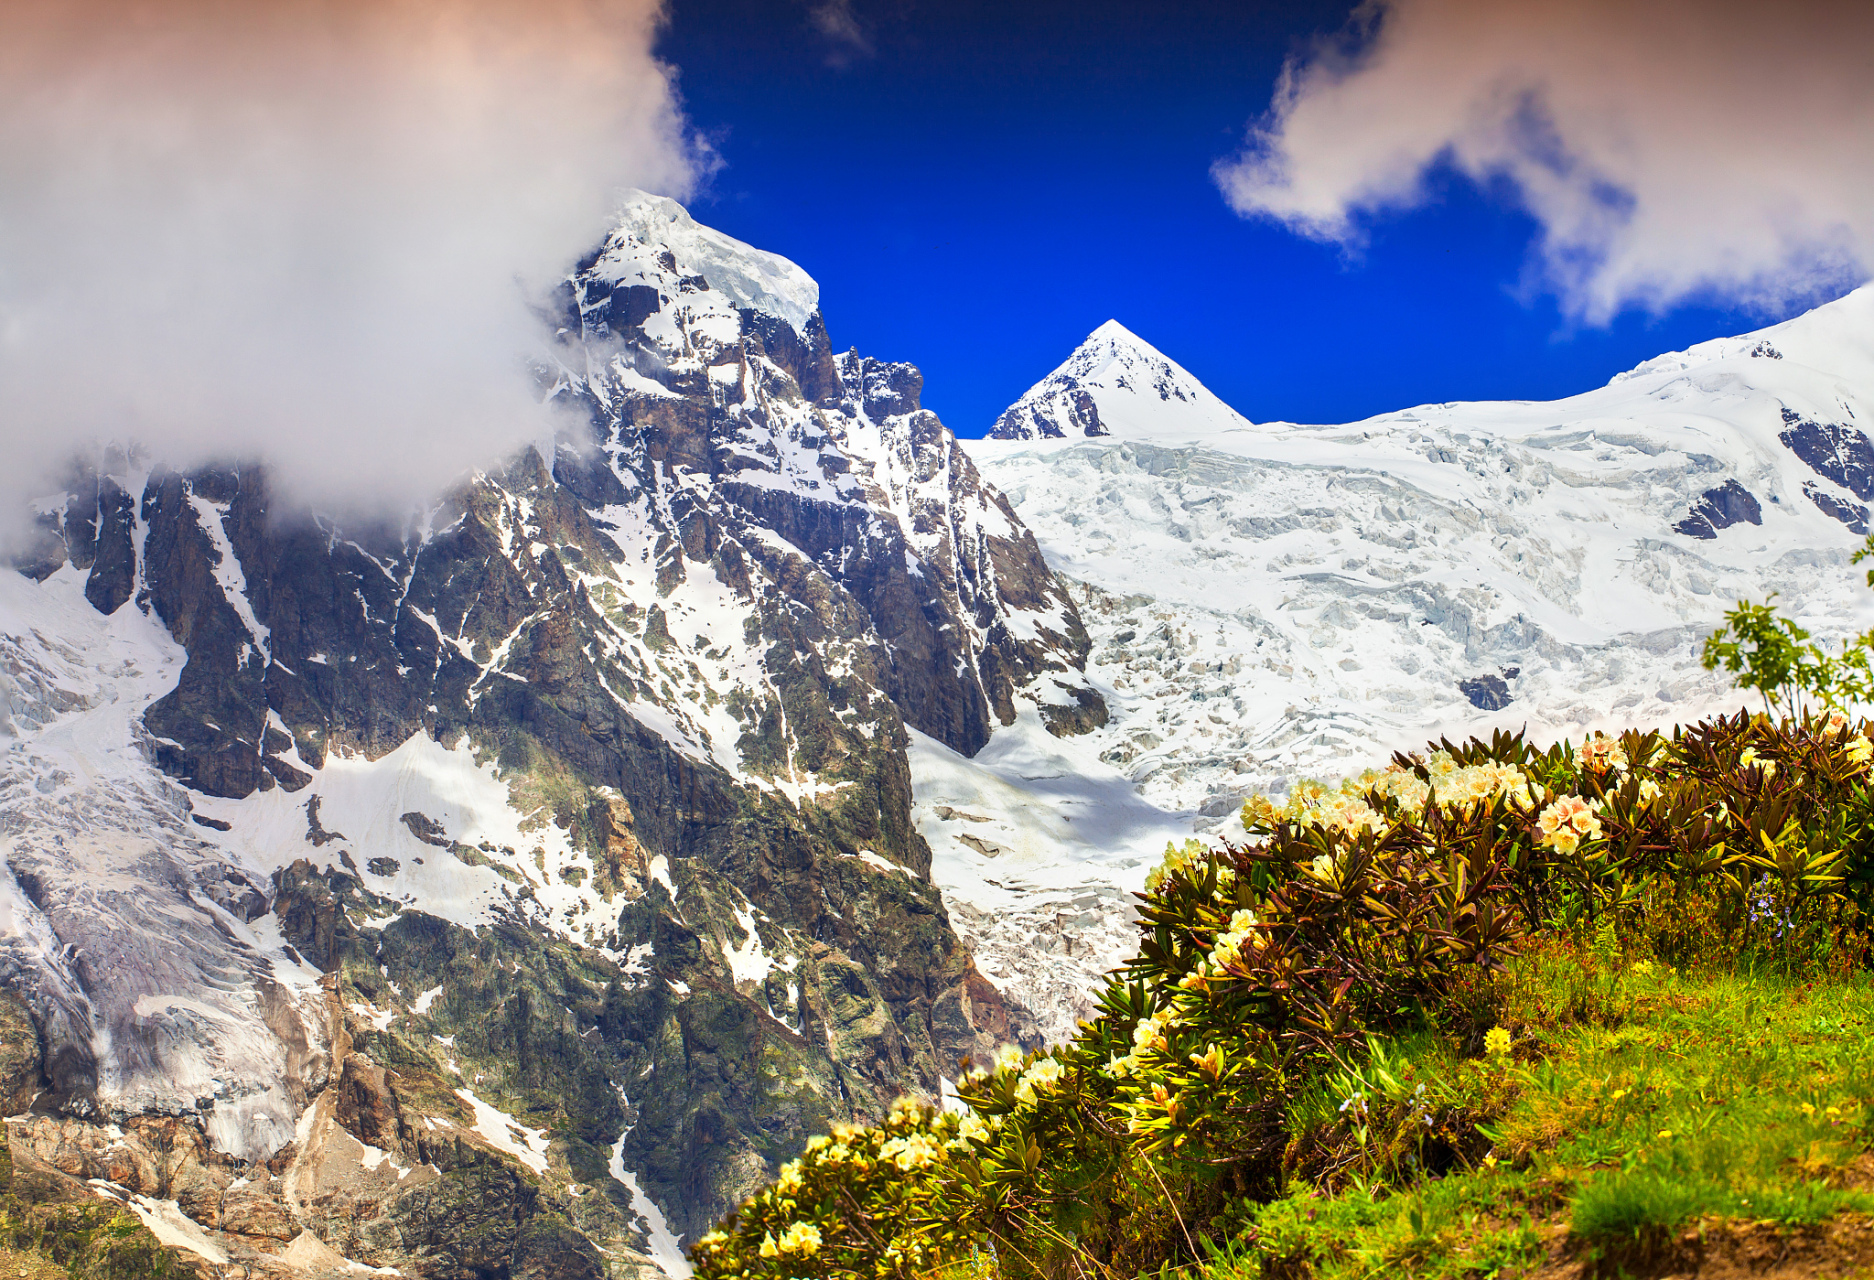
column 1669, row 149
column 315, row 231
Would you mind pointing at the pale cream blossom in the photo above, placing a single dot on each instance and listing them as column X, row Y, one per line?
column 913, row 1151
column 1567, row 822
column 1229, row 944
column 1601, row 753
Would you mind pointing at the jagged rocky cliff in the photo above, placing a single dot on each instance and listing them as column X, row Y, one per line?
column 506, row 889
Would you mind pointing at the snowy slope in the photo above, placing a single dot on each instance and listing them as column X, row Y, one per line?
column 1115, row 384
column 1279, row 600
column 737, row 274
column 128, row 926
column 1038, row 845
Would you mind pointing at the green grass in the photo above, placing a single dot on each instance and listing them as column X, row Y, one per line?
column 1635, row 1106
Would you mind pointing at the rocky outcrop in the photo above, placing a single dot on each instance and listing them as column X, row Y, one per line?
column 1720, row 508
column 535, row 872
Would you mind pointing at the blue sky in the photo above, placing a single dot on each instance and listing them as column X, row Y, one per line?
column 982, row 184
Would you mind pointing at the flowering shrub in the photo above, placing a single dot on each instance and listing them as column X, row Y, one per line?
column 848, row 1205
column 1244, row 1044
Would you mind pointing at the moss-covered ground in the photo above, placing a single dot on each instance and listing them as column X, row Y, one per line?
column 1644, row 1122
column 52, row 1227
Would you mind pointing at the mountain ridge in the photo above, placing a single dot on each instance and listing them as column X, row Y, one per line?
column 510, row 888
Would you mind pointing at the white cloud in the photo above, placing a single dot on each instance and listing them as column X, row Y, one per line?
column 309, row 231
column 1668, row 148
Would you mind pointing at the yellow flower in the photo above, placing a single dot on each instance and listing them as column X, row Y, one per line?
column 802, row 1238
column 1402, row 786
column 1260, row 814
column 1149, row 1033
column 913, row 1151
column 1860, row 751
column 1041, row 1075
column 768, row 1247
column 1749, row 757
column 1497, row 1042
column 1643, row 968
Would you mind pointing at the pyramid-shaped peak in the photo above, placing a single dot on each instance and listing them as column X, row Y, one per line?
column 1116, row 383
column 1114, row 336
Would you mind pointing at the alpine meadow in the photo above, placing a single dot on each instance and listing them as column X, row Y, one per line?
column 536, row 743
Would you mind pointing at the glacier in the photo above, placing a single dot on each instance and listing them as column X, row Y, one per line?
column 1273, row 601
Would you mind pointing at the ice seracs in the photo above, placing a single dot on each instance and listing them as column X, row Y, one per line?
column 1278, row 601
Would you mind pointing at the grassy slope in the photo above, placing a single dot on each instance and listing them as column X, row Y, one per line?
column 1646, row 1123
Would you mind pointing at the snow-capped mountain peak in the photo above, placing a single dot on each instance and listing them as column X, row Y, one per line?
column 1837, row 337
column 1269, row 603
column 649, row 227
column 1116, row 384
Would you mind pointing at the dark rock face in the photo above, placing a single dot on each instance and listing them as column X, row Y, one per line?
column 1070, row 412
column 1835, row 452
column 690, row 642
column 1730, row 503
column 1486, row 692
column 1852, row 514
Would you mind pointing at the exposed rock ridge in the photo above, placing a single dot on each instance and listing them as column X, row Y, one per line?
column 564, row 825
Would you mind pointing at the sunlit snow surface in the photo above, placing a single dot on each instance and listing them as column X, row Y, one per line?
column 1037, row 845
column 1276, row 601
column 748, row 277
column 1134, row 389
